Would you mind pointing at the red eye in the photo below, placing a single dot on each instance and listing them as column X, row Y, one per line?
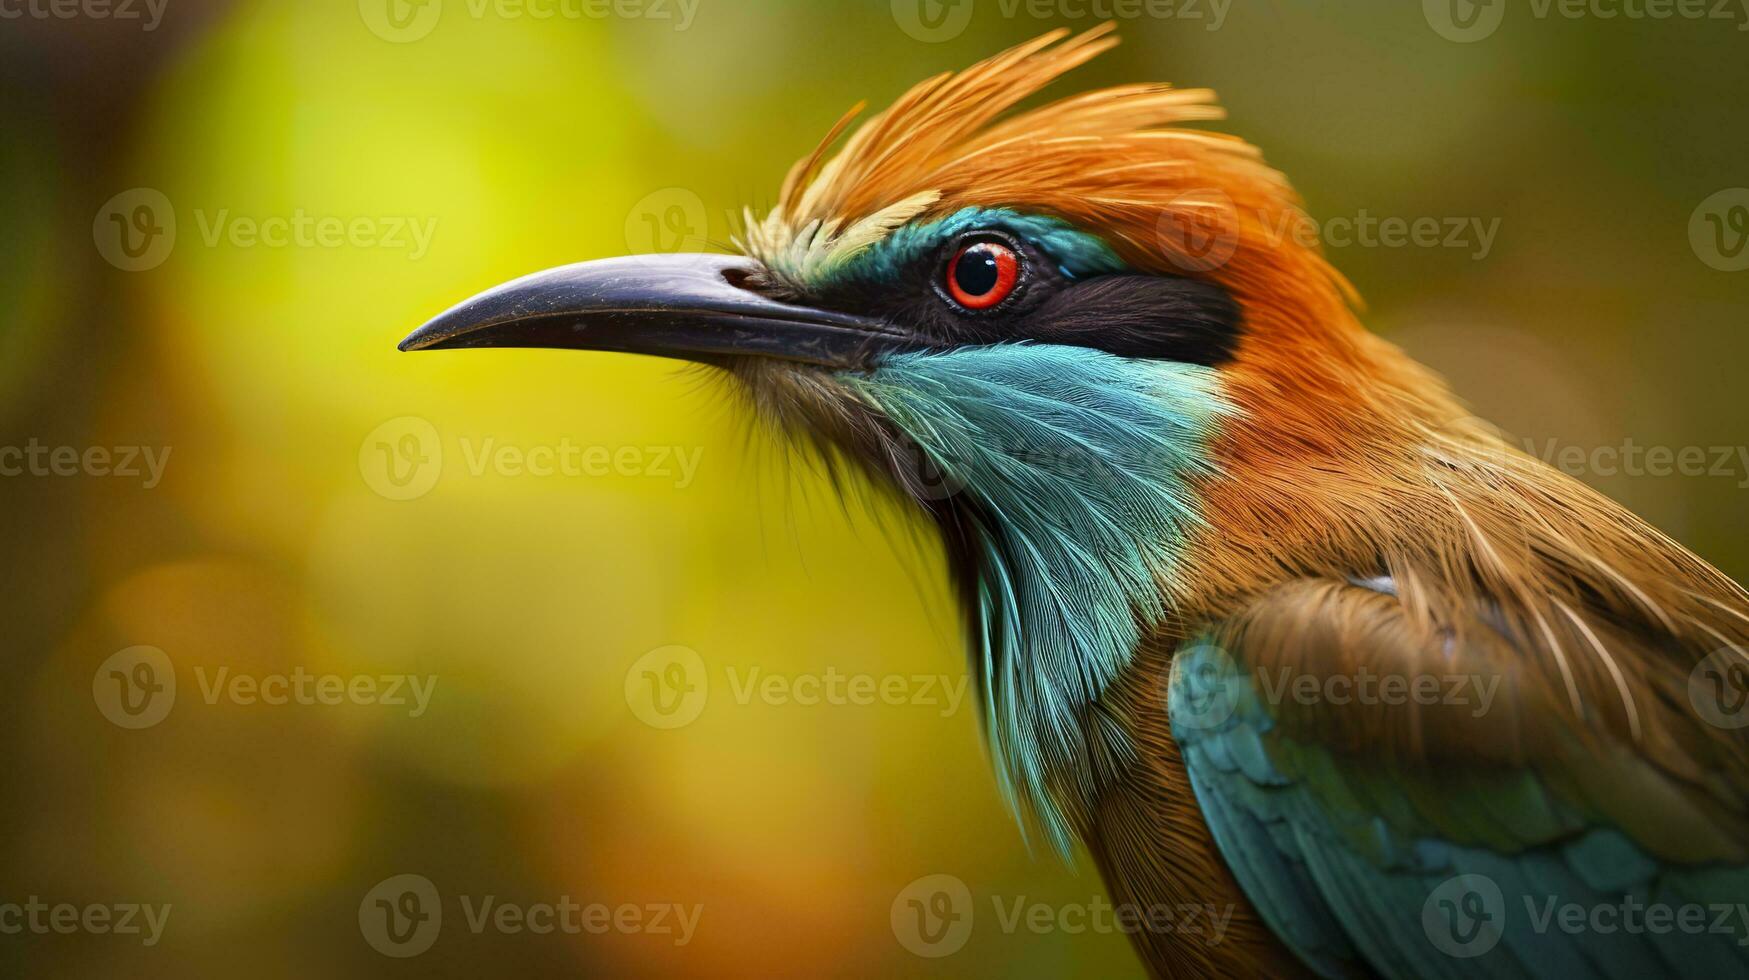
column 982, row 275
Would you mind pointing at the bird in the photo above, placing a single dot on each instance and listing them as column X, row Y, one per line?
column 1261, row 618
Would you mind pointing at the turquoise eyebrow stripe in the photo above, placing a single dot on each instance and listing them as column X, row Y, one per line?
column 1077, row 254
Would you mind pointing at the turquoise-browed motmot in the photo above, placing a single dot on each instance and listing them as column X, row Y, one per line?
column 1192, row 506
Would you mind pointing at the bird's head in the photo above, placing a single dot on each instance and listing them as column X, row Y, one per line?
column 1058, row 330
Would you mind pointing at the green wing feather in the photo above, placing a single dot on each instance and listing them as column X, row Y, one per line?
column 1418, row 840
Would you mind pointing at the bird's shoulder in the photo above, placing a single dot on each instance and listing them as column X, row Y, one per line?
column 1356, row 744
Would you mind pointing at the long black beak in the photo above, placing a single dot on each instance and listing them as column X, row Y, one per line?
column 686, row 306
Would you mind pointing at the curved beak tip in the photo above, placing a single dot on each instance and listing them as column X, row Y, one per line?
column 690, row 306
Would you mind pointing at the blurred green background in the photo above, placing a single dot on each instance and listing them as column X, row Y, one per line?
column 331, row 507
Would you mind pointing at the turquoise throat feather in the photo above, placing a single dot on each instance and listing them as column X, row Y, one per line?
column 1078, row 467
